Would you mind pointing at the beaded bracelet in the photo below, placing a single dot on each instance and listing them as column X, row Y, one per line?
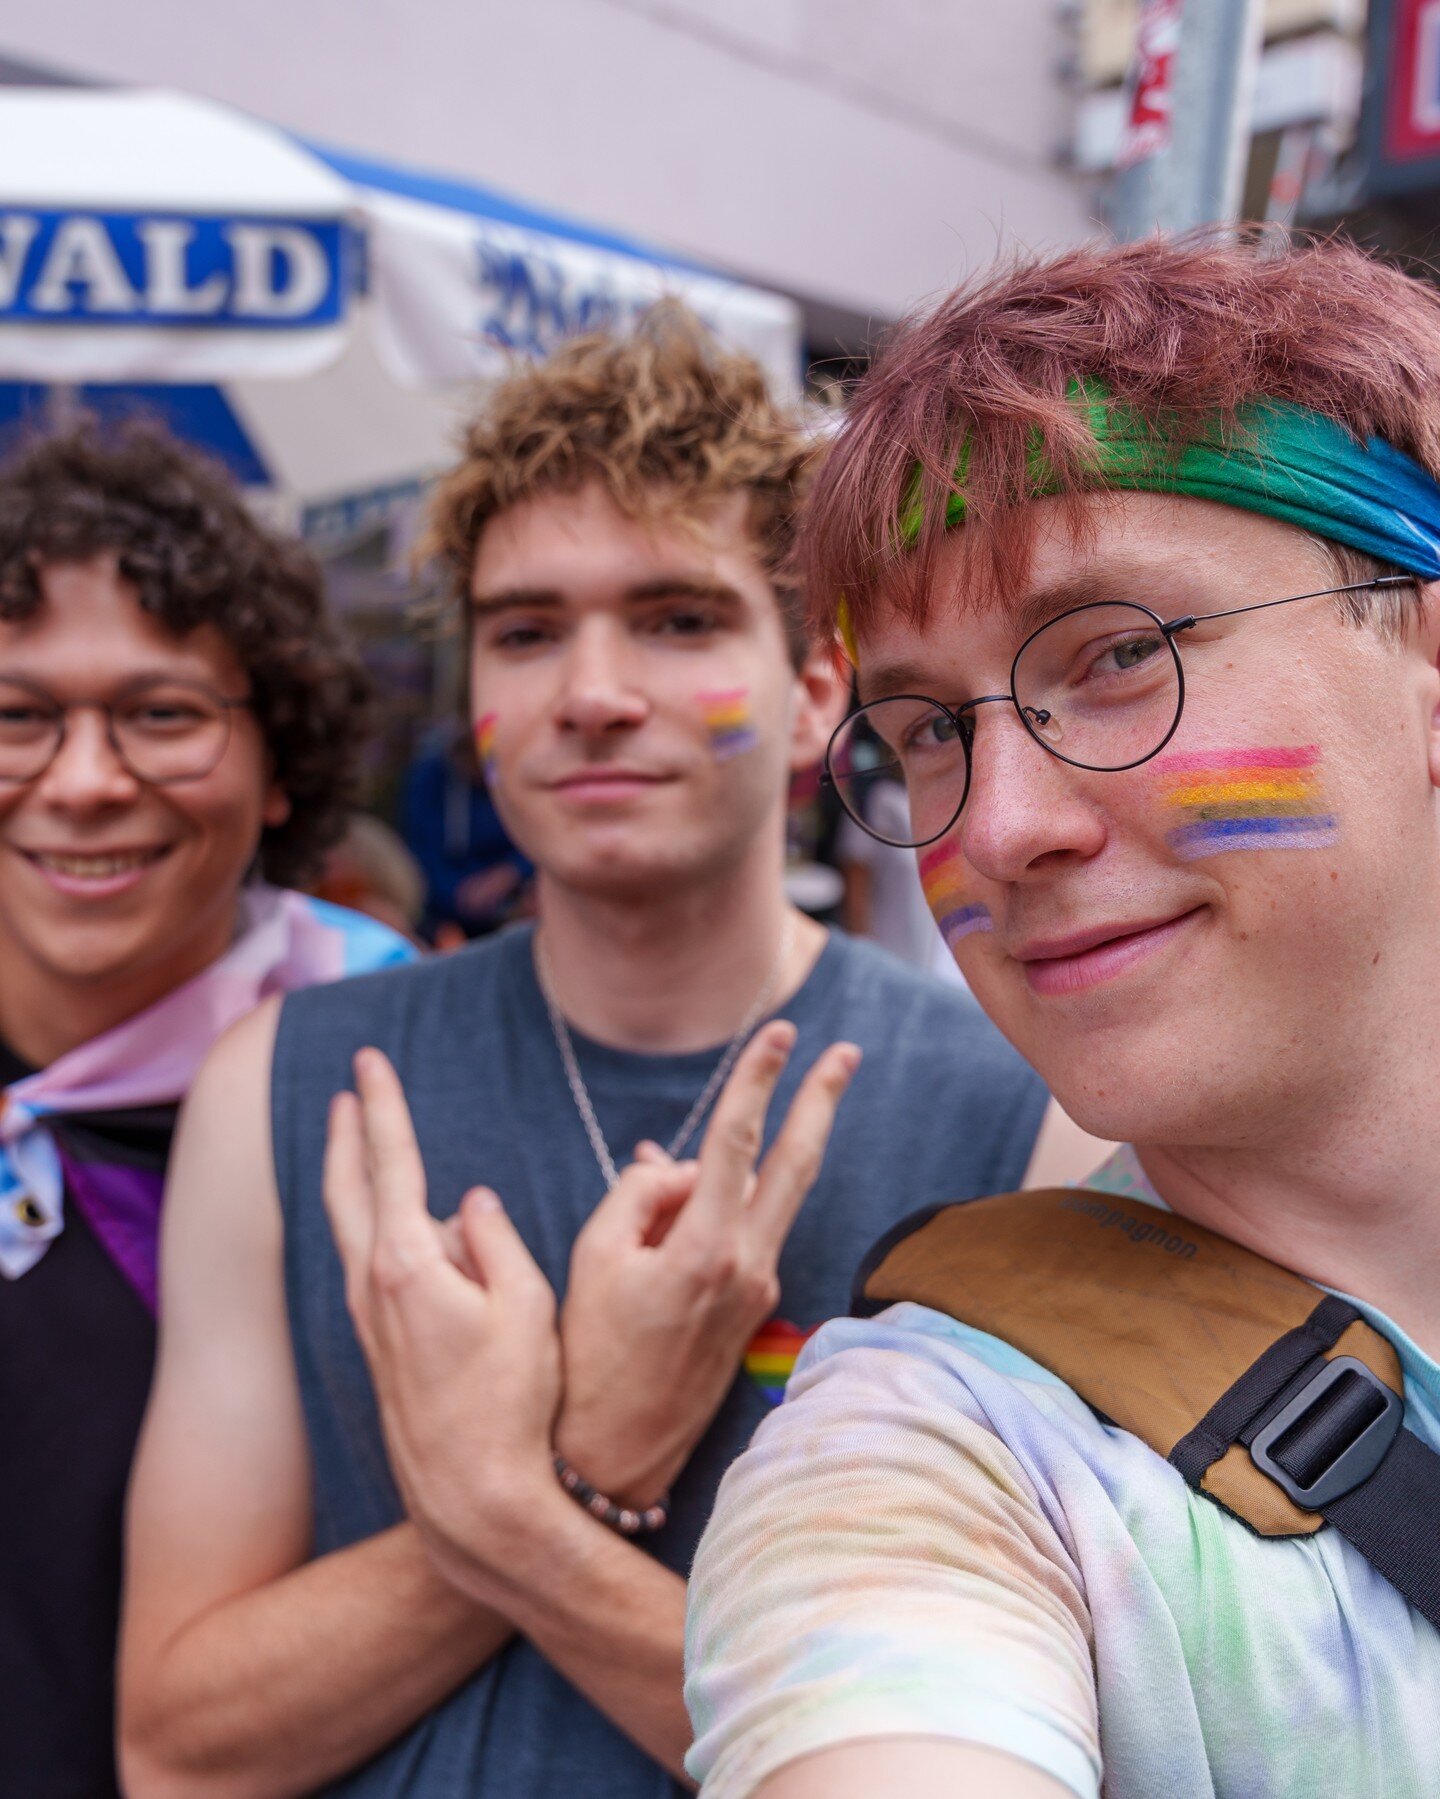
column 623, row 1518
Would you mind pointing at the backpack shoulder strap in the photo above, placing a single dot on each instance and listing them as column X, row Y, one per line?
column 1176, row 1334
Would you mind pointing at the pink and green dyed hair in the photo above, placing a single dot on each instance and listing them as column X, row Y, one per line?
column 1181, row 333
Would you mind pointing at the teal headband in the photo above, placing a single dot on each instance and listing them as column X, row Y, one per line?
column 1282, row 460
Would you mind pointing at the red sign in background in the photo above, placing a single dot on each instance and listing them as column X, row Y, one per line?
column 1150, row 82
column 1412, row 81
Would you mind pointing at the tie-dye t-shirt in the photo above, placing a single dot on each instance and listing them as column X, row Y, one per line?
column 935, row 1537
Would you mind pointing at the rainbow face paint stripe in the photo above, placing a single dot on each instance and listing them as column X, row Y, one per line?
column 1249, row 799
column 485, row 744
column 941, row 876
column 770, row 1359
column 727, row 719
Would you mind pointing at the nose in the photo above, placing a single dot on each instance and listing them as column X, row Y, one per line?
column 86, row 775
column 598, row 692
column 1026, row 809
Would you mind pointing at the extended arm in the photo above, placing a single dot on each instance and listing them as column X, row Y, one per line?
column 880, row 1587
column 246, row 1670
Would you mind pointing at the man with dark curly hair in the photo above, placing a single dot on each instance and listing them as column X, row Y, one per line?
column 406, row 1599
column 179, row 724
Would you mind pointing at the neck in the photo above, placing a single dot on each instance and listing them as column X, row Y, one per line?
column 45, row 1014
column 1347, row 1194
column 678, row 970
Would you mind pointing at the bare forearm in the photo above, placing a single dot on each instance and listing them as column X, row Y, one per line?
column 280, row 1689
column 608, row 1616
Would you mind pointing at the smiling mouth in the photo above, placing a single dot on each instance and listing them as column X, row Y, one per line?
column 1088, row 961
column 94, row 867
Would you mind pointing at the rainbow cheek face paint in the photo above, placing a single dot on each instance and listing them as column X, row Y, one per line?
column 485, row 744
column 1248, row 799
column 728, row 720
column 941, row 871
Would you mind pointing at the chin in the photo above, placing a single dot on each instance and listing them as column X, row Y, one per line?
column 96, row 955
column 617, row 861
column 618, row 877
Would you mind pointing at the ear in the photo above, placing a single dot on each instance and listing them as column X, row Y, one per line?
column 277, row 807
column 822, row 688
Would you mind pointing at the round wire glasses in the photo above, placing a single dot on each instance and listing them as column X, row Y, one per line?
column 1101, row 687
column 162, row 731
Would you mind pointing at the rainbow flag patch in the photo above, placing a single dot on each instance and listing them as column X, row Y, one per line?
column 727, row 719
column 1261, row 799
column 770, row 1358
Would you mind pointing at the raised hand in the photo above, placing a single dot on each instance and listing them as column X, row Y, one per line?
column 456, row 1320
column 676, row 1270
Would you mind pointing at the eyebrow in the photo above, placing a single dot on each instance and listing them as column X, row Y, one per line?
column 661, row 587
column 887, row 679
column 506, row 599
column 1087, row 589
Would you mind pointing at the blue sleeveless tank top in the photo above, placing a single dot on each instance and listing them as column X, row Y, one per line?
column 942, row 1108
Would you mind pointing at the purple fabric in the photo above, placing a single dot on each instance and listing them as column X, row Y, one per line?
column 122, row 1207
column 287, row 940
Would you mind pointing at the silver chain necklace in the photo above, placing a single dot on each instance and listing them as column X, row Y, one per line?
column 581, row 1093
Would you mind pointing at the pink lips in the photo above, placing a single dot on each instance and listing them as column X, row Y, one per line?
column 605, row 786
column 1068, row 965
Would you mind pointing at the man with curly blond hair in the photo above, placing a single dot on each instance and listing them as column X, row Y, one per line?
column 179, row 728
column 358, row 1559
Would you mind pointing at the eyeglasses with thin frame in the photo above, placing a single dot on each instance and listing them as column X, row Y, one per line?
column 1101, row 686
column 161, row 731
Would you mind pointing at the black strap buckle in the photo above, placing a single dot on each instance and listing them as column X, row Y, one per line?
column 1331, row 1435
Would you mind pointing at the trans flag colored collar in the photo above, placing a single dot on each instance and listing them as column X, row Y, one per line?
column 1281, row 460
column 287, row 940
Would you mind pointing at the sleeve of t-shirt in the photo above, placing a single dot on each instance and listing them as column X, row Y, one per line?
column 878, row 1565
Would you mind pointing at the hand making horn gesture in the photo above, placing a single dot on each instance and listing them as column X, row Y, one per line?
column 677, row 1269
column 456, row 1320
column 670, row 1278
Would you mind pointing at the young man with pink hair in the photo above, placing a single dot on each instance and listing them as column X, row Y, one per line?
column 1134, row 550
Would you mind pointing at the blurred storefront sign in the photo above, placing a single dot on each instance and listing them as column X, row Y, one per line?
column 1402, row 110
column 316, row 319
column 150, row 236
column 1150, row 83
column 461, row 281
column 1300, row 81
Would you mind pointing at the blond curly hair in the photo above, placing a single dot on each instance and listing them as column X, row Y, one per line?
column 663, row 418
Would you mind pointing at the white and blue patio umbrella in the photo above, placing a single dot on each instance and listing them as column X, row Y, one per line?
column 316, row 319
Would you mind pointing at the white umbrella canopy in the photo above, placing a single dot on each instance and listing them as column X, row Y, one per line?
column 318, row 319
column 150, row 236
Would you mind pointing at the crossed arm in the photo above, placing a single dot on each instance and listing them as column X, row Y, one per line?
column 248, row 1670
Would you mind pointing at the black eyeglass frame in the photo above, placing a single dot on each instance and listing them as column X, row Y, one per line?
column 1168, row 630
column 63, row 708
